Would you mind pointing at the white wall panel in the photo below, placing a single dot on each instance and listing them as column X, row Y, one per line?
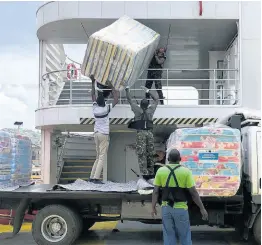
column 251, row 73
column 71, row 115
column 92, row 9
column 54, row 11
column 40, row 18
column 51, row 12
column 52, row 117
column 113, row 9
column 136, row 9
column 159, row 10
column 68, row 10
column 251, row 20
column 226, row 10
column 250, row 54
column 181, row 10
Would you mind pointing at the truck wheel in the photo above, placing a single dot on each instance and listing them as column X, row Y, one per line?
column 56, row 224
column 257, row 229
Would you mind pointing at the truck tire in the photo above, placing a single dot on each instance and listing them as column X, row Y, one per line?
column 56, row 224
column 257, row 229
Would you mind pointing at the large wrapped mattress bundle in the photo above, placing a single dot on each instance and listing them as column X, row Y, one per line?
column 15, row 159
column 214, row 156
column 119, row 53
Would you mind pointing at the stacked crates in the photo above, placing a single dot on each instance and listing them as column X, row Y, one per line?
column 15, row 159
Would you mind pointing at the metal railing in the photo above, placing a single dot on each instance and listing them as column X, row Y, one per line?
column 213, row 87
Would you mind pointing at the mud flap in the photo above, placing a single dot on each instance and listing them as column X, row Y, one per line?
column 20, row 213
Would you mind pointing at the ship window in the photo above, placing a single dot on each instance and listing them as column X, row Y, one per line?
column 180, row 95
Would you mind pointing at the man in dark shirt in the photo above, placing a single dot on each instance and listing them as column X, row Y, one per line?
column 157, row 63
column 143, row 123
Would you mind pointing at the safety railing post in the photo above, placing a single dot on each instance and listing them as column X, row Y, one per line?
column 47, row 92
column 167, row 85
column 237, row 86
column 214, row 93
column 80, row 74
column 70, row 92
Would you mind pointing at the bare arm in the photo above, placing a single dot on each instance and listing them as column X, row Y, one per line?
column 155, row 196
column 93, row 93
column 196, row 198
column 133, row 105
column 154, row 97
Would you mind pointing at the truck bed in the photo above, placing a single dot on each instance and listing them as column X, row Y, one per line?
column 44, row 191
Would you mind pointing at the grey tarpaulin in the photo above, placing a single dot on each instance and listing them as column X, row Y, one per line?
column 108, row 186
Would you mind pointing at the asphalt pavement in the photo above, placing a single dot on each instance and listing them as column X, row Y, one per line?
column 129, row 233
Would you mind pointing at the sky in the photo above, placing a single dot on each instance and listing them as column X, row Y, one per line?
column 19, row 64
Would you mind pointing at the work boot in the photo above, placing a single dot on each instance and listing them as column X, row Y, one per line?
column 148, row 176
column 97, row 181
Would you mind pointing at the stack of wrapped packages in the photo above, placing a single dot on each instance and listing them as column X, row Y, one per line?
column 213, row 154
column 119, row 53
column 15, row 160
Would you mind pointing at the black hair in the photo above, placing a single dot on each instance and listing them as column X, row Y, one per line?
column 144, row 104
column 100, row 100
column 174, row 156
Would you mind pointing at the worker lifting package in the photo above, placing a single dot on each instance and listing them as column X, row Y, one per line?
column 15, row 159
column 213, row 153
column 120, row 52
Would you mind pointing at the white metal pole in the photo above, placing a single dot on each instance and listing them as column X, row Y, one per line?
column 70, row 94
column 214, row 93
column 167, row 84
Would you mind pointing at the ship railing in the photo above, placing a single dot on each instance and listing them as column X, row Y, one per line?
column 216, row 87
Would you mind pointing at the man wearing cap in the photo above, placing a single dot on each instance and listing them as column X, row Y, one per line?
column 176, row 183
column 155, row 74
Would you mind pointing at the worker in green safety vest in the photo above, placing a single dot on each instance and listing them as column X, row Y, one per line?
column 177, row 184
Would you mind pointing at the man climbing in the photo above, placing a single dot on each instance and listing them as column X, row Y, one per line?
column 143, row 123
column 157, row 63
column 101, row 112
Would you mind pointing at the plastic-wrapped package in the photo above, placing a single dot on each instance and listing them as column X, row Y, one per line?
column 15, row 159
column 5, row 157
column 213, row 153
column 120, row 52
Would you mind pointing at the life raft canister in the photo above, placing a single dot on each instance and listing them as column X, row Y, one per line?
column 71, row 71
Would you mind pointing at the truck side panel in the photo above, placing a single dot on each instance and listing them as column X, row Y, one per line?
column 251, row 158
